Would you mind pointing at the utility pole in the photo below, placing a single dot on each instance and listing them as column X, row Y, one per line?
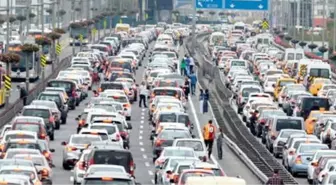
column 334, row 35
column 42, row 25
column 6, row 49
column 98, row 11
column 73, row 20
column 58, row 15
column 27, row 16
column 194, row 24
column 88, row 7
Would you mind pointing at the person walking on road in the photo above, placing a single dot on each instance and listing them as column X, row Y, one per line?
column 201, row 99
column 275, row 179
column 23, row 94
column 219, row 142
column 186, row 87
column 183, row 66
column 187, row 60
column 205, row 101
column 143, row 94
column 193, row 82
column 191, row 64
column 209, row 135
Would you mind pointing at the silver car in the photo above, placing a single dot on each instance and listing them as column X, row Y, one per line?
column 74, row 147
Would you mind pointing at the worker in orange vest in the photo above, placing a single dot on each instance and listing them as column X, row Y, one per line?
column 209, row 135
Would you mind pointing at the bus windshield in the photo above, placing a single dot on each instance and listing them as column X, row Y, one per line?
column 22, row 64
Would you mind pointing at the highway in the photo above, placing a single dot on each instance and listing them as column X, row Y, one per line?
column 141, row 145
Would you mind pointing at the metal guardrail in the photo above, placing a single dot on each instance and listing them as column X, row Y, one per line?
column 229, row 120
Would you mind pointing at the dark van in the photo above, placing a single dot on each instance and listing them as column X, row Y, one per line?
column 112, row 156
column 110, row 85
column 70, row 88
column 307, row 104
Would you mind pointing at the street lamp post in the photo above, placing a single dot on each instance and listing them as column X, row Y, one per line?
column 6, row 48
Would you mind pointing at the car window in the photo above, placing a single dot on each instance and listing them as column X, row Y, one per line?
column 288, row 124
column 196, row 145
column 173, row 134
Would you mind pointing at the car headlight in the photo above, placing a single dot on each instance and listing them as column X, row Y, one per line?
column 71, row 40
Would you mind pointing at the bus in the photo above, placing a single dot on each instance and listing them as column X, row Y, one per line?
column 122, row 28
column 217, row 39
column 18, row 70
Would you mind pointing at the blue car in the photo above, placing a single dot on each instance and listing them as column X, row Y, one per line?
column 300, row 161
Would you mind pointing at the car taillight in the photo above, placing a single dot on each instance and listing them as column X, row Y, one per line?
column 47, row 155
column 291, row 152
column 204, row 159
column 51, row 119
column 91, row 162
column 43, row 136
column 159, row 142
column 70, row 148
column 262, row 121
column 222, row 172
column 298, row 160
column 45, row 173
column 81, row 122
column 188, row 124
column 132, row 168
column 81, row 165
column 126, row 105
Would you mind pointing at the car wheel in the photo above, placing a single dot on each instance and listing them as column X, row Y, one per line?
column 66, row 166
column 52, row 137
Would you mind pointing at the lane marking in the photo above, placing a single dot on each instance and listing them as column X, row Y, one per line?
column 140, row 137
column 143, row 110
column 141, row 131
column 199, row 127
column 141, row 126
column 141, row 143
column 153, row 182
column 147, row 164
column 144, row 156
column 142, row 113
column 142, row 117
column 142, row 149
column 142, row 121
column 150, row 173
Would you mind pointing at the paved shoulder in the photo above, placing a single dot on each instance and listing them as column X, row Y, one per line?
column 230, row 163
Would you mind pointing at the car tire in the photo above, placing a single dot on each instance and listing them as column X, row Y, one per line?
column 52, row 137
column 128, row 118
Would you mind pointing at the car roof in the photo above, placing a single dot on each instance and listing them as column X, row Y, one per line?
column 177, row 148
column 109, row 174
column 29, row 168
column 36, row 107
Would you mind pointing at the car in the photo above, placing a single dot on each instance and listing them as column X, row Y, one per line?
column 192, row 173
column 31, row 123
column 282, row 137
column 53, row 106
column 106, row 177
column 100, row 132
column 196, row 144
column 19, row 170
column 314, row 162
column 216, row 169
column 171, row 151
column 167, row 166
column 41, row 165
column 60, row 111
column 76, row 144
column 298, row 163
column 112, row 131
column 21, row 144
column 104, row 168
column 166, row 138
column 80, row 168
column 109, row 154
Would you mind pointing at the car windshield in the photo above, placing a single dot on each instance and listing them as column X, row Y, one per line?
column 23, row 145
column 178, row 153
column 196, row 145
column 43, row 113
column 172, row 134
column 288, row 124
column 120, row 99
column 46, row 104
column 247, row 91
column 10, row 154
column 103, row 135
column 38, row 161
column 110, row 129
column 106, row 168
column 84, row 140
column 285, row 82
column 19, row 136
column 10, row 162
column 194, row 174
column 288, row 133
column 311, row 148
column 332, row 180
column 320, row 154
column 182, row 167
column 27, row 127
column 27, row 173
column 168, row 117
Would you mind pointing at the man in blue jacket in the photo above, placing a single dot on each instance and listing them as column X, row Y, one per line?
column 193, row 82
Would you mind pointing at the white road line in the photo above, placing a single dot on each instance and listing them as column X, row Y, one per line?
column 141, row 143
column 141, row 126
column 141, row 131
column 198, row 127
column 142, row 121
column 142, row 149
column 144, row 156
column 143, row 110
column 153, row 182
column 142, row 113
column 150, row 172
column 142, row 117
column 140, row 137
column 147, row 164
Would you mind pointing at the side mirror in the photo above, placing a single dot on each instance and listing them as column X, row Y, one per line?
column 52, row 166
column 273, row 85
column 63, row 143
column 309, row 159
column 193, row 136
column 129, row 126
column 172, row 181
column 52, row 150
column 168, row 171
column 285, row 147
column 77, row 119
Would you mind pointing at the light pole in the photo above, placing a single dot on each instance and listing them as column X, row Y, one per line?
column 334, row 34
column 73, row 21
column 6, row 48
column 58, row 14
column 194, row 24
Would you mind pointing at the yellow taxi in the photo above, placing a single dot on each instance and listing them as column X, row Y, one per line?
column 311, row 120
column 280, row 84
column 317, row 84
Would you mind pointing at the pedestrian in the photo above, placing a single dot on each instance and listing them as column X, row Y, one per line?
column 193, row 82
column 275, row 179
column 183, row 66
column 23, row 94
column 95, row 93
column 209, row 135
column 143, row 94
column 219, row 141
column 191, row 64
column 205, row 101
column 201, row 99
column 186, row 87
column 187, row 61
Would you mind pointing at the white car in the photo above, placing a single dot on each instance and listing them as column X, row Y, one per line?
column 248, row 110
column 314, row 159
column 196, row 144
column 100, row 132
column 79, row 169
column 112, row 130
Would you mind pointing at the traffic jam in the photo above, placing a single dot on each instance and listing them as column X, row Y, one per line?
column 285, row 99
column 103, row 83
